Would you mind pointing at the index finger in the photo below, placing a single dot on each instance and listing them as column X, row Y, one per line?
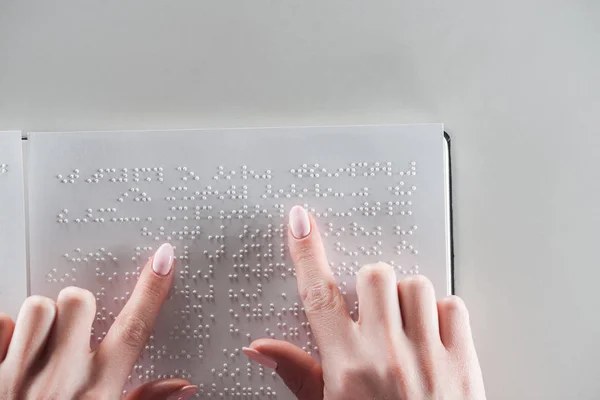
column 128, row 335
column 323, row 303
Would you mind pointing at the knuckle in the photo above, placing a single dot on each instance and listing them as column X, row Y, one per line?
column 74, row 297
column 417, row 284
column 376, row 274
column 321, row 297
column 394, row 371
column 134, row 331
column 454, row 305
column 39, row 305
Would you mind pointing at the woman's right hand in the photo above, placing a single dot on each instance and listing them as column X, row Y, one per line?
column 405, row 345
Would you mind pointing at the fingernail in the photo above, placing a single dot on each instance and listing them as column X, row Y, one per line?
column 184, row 393
column 259, row 358
column 163, row 259
column 299, row 222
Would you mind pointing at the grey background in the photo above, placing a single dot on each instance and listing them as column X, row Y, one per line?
column 515, row 82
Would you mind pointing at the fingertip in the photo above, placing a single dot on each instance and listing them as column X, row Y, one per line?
column 162, row 263
column 454, row 303
column 455, row 327
column 309, row 247
column 278, row 350
column 273, row 347
column 300, row 372
column 259, row 357
column 40, row 304
column 185, row 393
column 416, row 286
column 300, row 222
column 453, row 311
column 378, row 274
column 262, row 342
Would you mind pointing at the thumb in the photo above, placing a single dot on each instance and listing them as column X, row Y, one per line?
column 164, row 389
column 299, row 371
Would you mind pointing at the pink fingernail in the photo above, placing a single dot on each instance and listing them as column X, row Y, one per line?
column 163, row 259
column 185, row 393
column 299, row 222
column 259, row 358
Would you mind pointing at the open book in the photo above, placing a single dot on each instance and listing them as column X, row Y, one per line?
column 89, row 208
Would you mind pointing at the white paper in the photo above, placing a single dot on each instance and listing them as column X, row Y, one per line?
column 102, row 203
column 13, row 256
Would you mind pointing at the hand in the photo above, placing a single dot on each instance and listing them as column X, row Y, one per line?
column 47, row 354
column 405, row 345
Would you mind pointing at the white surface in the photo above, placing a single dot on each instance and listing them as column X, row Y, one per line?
column 516, row 82
column 13, row 253
column 109, row 200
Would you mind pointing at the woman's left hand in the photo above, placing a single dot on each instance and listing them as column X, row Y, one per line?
column 46, row 353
